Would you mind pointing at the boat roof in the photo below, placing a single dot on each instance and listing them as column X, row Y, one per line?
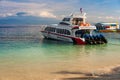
column 107, row 23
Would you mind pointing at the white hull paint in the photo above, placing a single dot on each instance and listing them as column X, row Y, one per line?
column 57, row 36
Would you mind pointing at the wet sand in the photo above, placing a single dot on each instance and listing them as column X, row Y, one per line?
column 111, row 74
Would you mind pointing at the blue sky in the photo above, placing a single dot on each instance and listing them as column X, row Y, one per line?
column 97, row 10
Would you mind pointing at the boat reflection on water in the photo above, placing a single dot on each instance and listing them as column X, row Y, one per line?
column 70, row 48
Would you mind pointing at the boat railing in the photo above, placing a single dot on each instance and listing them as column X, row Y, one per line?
column 43, row 27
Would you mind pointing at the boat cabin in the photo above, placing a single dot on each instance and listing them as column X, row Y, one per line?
column 71, row 21
column 79, row 26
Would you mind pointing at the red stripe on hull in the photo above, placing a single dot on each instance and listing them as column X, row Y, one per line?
column 75, row 40
column 79, row 41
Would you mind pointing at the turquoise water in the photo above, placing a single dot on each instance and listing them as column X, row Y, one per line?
column 24, row 54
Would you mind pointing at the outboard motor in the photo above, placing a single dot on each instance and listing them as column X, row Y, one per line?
column 95, row 39
column 103, row 38
column 88, row 39
column 92, row 39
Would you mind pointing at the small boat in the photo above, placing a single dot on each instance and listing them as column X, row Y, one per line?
column 118, row 30
column 73, row 29
column 107, row 27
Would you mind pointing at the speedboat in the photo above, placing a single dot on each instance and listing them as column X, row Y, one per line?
column 73, row 29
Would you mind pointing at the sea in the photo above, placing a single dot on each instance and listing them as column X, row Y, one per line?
column 26, row 55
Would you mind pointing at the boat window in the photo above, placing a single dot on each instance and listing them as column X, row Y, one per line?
column 77, row 21
column 113, row 25
column 63, row 31
column 64, row 23
column 50, row 29
column 66, row 19
column 80, row 33
column 47, row 29
column 67, row 32
column 58, row 30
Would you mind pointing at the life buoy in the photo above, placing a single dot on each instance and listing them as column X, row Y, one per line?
column 81, row 24
column 86, row 24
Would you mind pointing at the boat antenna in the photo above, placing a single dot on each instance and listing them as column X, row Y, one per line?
column 81, row 10
column 84, row 15
column 71, row 15
column 84, row 18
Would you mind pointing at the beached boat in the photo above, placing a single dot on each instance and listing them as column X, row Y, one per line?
column 107, row 27
column 73, row 29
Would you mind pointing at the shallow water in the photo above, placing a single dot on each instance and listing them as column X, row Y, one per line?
column 24, row 55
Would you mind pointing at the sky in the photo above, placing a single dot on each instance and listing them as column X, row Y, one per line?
column 97, row 10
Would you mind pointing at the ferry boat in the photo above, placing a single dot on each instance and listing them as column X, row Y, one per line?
column 73, row 29
column 107, row 27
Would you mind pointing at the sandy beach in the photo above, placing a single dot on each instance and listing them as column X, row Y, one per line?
column 111, row 74
column 38, row 74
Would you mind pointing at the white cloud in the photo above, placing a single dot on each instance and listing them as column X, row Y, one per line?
column 109, row 17
column 48, row 9
column 6, row 15
column 9, row 8
column 47, row 14
column 51, row 9
column 100, row 17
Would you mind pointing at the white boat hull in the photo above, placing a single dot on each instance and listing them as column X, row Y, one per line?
column 57, row 36
column 73, row 29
